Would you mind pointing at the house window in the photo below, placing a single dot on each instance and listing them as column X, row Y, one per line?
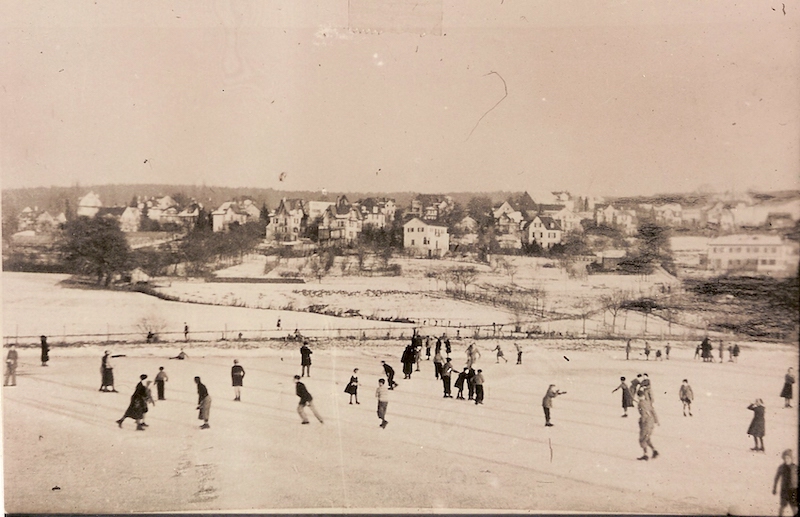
column 412, row 242
column 771, row 262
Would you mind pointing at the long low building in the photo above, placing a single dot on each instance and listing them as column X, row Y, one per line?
column 759, row 254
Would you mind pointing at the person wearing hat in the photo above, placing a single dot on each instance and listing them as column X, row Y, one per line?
column 627, row 398
column 647, row 422
column 382, row 394
column 237, row 377
column 787, row 474
column 138, row 405
column 203, row 403
column 107, row 373
column 757, row 427
column 478, row 387
column 305, row 360
column 45, row 350
column 161, row 378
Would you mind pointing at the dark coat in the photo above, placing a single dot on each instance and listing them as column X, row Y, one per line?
column 45, row 350
column 138, row 406
column 389, row 370
column 305, row 354
column 786, row 392
column 462, row 377
column 757, row 426
column 237, row 375
column 302, row 392
column 352, row 386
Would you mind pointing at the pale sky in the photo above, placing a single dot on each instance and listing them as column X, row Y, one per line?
column 605, row 97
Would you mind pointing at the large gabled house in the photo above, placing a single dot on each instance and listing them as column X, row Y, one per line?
column 234, row 212
column 341, row 224
column 430, row 207
column 423, row 239
column 543, row 230
column 377, row 212
column 623, row 219
column 288, row 221
column 130, row 219
column 89, row 205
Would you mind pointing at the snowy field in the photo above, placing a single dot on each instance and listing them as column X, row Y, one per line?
column 435, row 454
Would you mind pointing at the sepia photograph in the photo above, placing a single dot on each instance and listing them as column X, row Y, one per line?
column 400, row 257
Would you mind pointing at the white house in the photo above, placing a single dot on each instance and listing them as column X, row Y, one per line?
column 227, row 214
column 288, row 221
column 341, row 223
column 753, row 254
column 89, row 205
column 425, row 239
column 130, row 219
column 543, row 230
column 315, row 209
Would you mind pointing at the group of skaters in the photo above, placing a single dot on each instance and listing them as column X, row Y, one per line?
column 705, row 351
column 641, row 392
column 648, row 350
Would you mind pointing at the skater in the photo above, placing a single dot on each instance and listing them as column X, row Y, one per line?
column 148, row 399
column 698, row 350
column 658, row 355
column 107, row 373
column 278, row 324
column 352, row 386
column 645, row 385
column 705, row 346
column 438, row 348
column 161, row 378
column 757, row 425
column 471, row 383
column 519, row 353
column 408, row 361
column 547, row 402
column 138, row 405
column 305, row 360
column 647, row 422
column 203, row 403
column 185, row 331
column 382, row 394
column 787, row 473
column 628, row 350
column 730, row 353
column 479, row 387
column 627, row 399
column 499, row 354
column 181, row 356
column 646, row 351
column 306, row 400
column 447, row 371
column 667, row 349
column 438, row 361
column 447, row 348
column 788, row 388
column 237, row 379
column 389, row 371
column 45, row 350
column 736, row 353
column 428, row 348
column 472, row 354
column 635, row 384
column 417, row 353
column 460, row 380
column 11, row 367
column 687, row 396
column 721, row 352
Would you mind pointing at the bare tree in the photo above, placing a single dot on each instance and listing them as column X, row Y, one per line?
column 585, row 309
column 614, row 303
column 151, row 325
column 464, row 276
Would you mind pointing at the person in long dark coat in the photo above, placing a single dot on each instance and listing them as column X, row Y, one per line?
column 447, row 371
column 408, row 359
column 627, row 399
column 788, row 388
column 705, row 346
column 471, row 383
column 479, row 387
column 305, row 360
column 460, row 380
column 352, row 386
column 787, row 475
column 757, row 427
column 107, row 373
column 203, row 403
column 45, row 350
column 237, row 380
column 138, row 405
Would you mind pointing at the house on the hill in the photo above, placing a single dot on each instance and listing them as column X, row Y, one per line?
column 748, row 254
column 430, row 207
column 234, row 212
column 288, row 221
column 188, row 216
column 130, row 219
column 376, row 212
column 543, row 230
column 89, row 205
column 423, row 239
column 341, row 224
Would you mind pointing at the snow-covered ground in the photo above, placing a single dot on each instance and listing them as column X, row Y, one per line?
column 435, row 454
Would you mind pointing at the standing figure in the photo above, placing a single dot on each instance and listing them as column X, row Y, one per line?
column 547, row 402
column 646, row 351
column 658, row 355
column 627, row 399
column 499, row 354
column 721, row 352
column 11, row 367
column 730, row 353
column 237, row 380
column 389, row 371
column 161, row 378
column 382, row 394
column 408, row 361
column 305, row 360
column 635, row 384
column 185, row 331
column 667, row 349
column 471, row 383
column 107, row 373
column 447, row 371
column 278, row 324
column 705, row 347
column 418, row 353
column 148, row 399
column 428, row 348
column 757, row 427
column 438, row 361
column 787, row 474
column 628, row 350
column 447, row 347
column 203, row 403
column 138, row 405
column 698, row 350
column 687, row 396
column 647, row 422
column 479, row 387
column 519, row 353
column 460, row 380
column 306, row 400
column 736, row 353
column 438, row 345
column 788, row 388
column 352, row 386
column 45, row 350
